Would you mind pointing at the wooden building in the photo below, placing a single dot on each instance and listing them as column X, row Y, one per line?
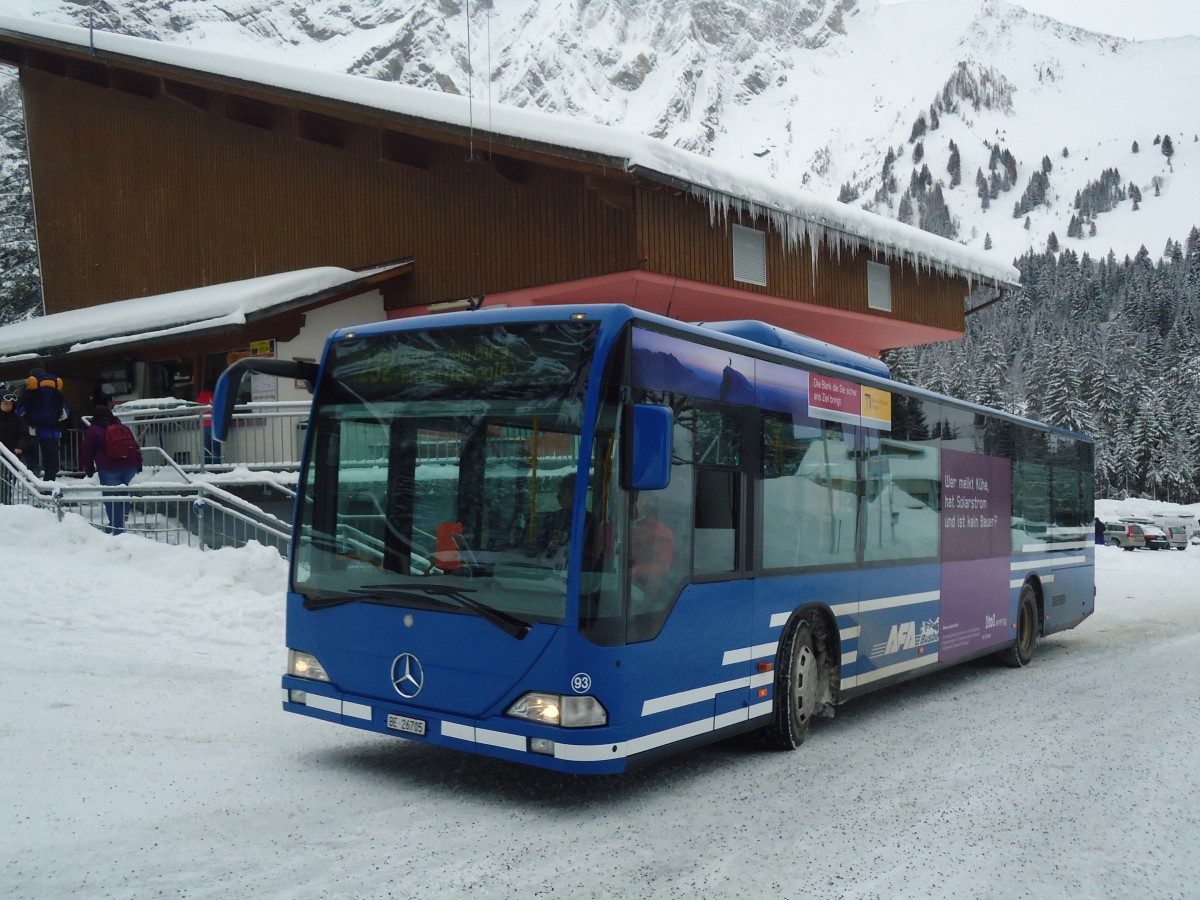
column 160, row 168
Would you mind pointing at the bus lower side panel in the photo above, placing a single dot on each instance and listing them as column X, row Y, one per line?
column 582, row 751
column 1068, row 599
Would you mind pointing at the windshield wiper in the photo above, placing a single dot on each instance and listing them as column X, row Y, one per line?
column 506, row 622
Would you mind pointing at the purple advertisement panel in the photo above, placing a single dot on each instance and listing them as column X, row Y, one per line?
column 976, row 601
column 976, row 506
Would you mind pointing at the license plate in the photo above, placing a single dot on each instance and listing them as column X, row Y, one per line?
column 405, row 724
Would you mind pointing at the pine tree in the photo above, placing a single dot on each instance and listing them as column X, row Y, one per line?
column 918, row 129
column 1134, row 148
column 1027, row 223
column 918, row 151
column 954, row 165
column 987, row 241
column 1052, row 243
column 905, row 213
column 1168, row 147
column 1010, row 165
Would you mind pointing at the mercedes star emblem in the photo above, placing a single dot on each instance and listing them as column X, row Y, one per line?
column 407, row 675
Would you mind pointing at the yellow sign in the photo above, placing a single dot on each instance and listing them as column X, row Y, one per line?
column 876, row 408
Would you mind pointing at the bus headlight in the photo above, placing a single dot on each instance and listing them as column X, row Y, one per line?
column 305, row 665
column 560, row 710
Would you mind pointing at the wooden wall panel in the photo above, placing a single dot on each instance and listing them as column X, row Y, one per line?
column 675, row 238
column 139, row 196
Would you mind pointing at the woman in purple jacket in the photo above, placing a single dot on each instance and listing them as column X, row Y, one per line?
column 112, row 472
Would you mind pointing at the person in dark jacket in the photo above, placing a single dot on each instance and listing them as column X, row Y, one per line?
column 14, row 434
column 45, row 411
column 112, row 472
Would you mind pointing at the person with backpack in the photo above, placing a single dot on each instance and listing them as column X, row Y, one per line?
column 44, row 411
column 111, row 451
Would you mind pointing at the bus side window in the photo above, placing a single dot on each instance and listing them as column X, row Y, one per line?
column 809, row 493
column 716, row 520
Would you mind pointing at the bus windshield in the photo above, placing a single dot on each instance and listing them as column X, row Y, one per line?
column 441, row 471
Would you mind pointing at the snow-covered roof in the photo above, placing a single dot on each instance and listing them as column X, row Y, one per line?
column 798, row 215
column 180, row 313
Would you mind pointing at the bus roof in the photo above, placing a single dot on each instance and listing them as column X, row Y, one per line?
column 747, row 333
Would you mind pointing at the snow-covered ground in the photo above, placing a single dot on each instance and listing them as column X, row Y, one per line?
column 144, row 754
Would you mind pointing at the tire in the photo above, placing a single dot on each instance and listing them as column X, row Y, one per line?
column 1113, row 542
column 801, row 680
column 1021, row 653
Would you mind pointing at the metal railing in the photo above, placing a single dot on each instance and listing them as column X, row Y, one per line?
column 262, row 435
column 165, row 505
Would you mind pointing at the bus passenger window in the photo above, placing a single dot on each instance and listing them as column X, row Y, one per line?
column 810, row 499
column 902, row 486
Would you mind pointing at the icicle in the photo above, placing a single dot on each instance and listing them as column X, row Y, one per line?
column 794, row 229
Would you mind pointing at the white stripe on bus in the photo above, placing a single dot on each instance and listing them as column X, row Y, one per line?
column 1051, row 563
column 907, row 666
column 746, row 654
column 1053, row 545
column 487, row 736
column 849, row 609
column 620, row 750
column 328, row 704
column 705, row 693
column 901, row 600
column 1017, row 582
column 357, row 710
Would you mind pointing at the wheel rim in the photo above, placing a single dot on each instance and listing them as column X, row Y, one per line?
column 1025, row 627
column 804, row 697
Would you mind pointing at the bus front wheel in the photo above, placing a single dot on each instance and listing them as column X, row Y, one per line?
column 799, row 678
column 1020, row 654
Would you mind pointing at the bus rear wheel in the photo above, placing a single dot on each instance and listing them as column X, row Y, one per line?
column 800, row 679
column 1020, row 654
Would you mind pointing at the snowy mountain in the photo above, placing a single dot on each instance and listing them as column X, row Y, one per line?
column 815, row 93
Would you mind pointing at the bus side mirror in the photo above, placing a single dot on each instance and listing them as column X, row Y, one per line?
column 225, row 394
column 650, row 448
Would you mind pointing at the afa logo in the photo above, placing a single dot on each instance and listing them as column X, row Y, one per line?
column 905, row 636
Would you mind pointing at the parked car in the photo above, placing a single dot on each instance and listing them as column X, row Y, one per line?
column 1177, row 536
column 1130, row 534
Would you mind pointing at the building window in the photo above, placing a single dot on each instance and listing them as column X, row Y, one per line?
column 749, row 255
column 879, row 287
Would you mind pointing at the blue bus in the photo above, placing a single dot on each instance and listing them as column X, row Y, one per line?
column 586, row 538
